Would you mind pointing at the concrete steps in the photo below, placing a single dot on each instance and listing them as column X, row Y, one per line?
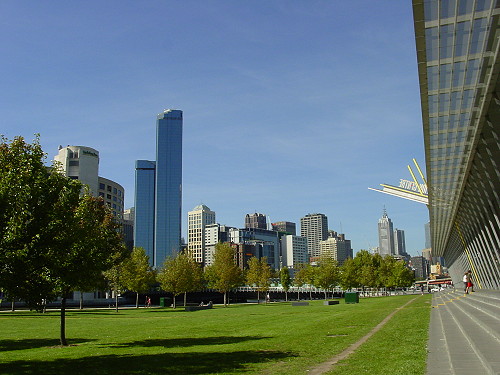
column 464, row 334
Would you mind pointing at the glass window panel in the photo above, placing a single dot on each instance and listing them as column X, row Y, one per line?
column 431, row 10
column 445, row 76
column 452, row 121
column 462, row 38
column 446, row 41
column 455, row 100
column 472, row 72
column 467, row 99
column 464, row 7
column 458, row 74
column 433, row 103
column 432, row 43
column 448, row 8
column 444, row 102
column 482, row 5
column 433, row 124
column 478, row 35
column 433, row 77
column 464, row 119
column 443, row 121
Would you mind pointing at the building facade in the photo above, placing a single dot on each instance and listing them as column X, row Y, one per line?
column 314, row 227
column 399, row 242
column 158, row 195
column 256, row 220
column 336, row 247
column 82, row 163
column 293, row 250
column 285, row 226
column 385, row 235
column 457, row 51
column 198, row 219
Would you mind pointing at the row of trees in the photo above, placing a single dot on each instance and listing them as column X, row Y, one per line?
column 182, row 274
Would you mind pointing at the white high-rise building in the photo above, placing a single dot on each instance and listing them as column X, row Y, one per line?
column 315, row 228
column 198, row 219
column 294, row 250
column 385, row 235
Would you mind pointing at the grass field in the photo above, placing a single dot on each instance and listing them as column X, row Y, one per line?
column 254, row 339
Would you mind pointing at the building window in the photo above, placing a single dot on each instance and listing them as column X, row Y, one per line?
column 108, row 196
column 109, row 188
column 102, row 186
column 74, row 163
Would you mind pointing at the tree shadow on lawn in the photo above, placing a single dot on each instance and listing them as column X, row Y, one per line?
column 9, row 345
column 164, row 363
column 185, row 342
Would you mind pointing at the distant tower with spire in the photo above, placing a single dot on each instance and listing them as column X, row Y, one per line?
column 385, row 235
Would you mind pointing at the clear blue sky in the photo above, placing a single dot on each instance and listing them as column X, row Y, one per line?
column 290, row 107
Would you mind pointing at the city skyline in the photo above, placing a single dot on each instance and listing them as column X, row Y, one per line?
column 286, row 112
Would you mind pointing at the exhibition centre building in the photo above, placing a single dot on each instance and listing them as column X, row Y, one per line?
column 458, row 65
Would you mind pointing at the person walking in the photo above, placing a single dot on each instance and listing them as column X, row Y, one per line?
column 470, row 285
column 465, row 280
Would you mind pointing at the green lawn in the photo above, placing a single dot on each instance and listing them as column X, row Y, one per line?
column 271, row 339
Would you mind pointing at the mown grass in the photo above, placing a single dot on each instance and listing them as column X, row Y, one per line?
column 270, row 339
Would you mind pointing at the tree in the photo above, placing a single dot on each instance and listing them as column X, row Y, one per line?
column 367, row 276
column 114, row 275
column 327, row 274
column 304, row 276
column 286, row 280
column 349, row 275
column 54, row 238
column 224, row 274
column 259, row 274
column 180, row 274
column 137, row 274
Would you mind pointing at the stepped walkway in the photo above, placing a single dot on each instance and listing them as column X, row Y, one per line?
column 464, row 333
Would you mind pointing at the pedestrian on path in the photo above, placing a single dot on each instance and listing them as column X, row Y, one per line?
column 465, row 279
column 470, row 284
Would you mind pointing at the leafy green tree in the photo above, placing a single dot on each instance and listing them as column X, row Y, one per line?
column 305, row 276
column 367, row 275
column 180, row 274
column 286, row 280
column 114, row 274
column 259, row 274
column 53, row 238
column 137, row 274
column 327, row 274
column 349, row 275
column 224, row 274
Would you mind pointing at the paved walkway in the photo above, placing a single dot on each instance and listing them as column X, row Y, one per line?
column 464, row 333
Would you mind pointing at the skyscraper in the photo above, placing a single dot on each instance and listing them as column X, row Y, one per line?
column 458, row 66
column 385, row 235
column 256, row 220
column 198, row 219
column 315, row 228
column 399, row 242
column 159, row 192
column 285, row 226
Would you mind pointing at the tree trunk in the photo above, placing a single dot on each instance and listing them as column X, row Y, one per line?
column 81, row 300
column 258, row 296
column 225, row 298
column 136, row 300
column 310, row 293
column 63, row 322
column 116, row 300
column 286, row 295
column 13, row 306
column 185, row 298
column 298, row 295
column 174, row 300
column 325, row 295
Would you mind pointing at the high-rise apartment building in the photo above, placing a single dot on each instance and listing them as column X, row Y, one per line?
column 294, row 251
column 458, row 65
column 336, row 247
column 158, row 195
column 82, row 163
column 399, row 242
column 256, row 220
column 198, row 219
column 314, row 227
column 385, row 235
column 285, row 226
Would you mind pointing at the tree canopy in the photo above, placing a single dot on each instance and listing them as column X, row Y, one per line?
column 137, row 274
column 259, row 274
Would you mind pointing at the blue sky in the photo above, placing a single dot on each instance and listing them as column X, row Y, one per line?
column 290, row 107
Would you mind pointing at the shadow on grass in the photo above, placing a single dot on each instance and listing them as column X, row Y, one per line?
column 185, row 342
column 165, row 363
column 8, row 345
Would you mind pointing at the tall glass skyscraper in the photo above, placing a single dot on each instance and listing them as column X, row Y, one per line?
column 458, row 48
column 158, row 196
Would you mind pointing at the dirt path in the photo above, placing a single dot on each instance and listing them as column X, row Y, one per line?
column 328, row 365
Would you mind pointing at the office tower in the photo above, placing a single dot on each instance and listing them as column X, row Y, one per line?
column 198, row 219
column 399, row 242
column 336, row 247
column 457, row 52
column 128, row 227
column 420, row 266
column 285, row 226
column 294, row 251
column 427, row 228
column 266, row 243
column 255, row 220
column 82, row 163
column 315, row 228
column 214, row 233
column 385, row 235
column 158, row 194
